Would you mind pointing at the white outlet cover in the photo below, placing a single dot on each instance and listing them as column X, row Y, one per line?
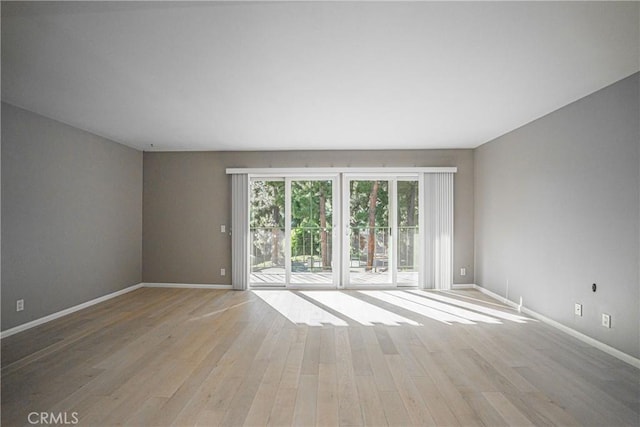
column 606, row 320
column 578, row 310
column 463, row 271
column 223, row 272
column 223, row 228
column 20, row 305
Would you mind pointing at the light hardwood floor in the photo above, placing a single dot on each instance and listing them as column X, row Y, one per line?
column 203, row 357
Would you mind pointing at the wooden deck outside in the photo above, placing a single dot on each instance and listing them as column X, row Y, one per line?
column 326, row 278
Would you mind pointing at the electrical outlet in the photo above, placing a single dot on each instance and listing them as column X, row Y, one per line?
column 20, row 305
column 223, row 272
column 606, row 320
column 463, row 271
column 578, row 310
column 223, row 228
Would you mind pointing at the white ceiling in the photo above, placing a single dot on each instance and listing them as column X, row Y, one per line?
column 276, row 76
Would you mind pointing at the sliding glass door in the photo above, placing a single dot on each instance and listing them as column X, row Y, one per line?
column 292, row 232
column 294, row 223
column 370, row 243
column 267, row 232
column 383, row 231
column 408, row 237
column 311, row 232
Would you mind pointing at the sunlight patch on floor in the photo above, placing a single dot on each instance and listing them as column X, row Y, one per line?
column 448, row 308
column 361, row 311
column 396, row 298
column 298, row 310
column 475, row 307
column 337, row 308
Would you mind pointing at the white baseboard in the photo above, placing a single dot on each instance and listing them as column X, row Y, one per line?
column 186, row 286
column 103, row 298
column 496, row 296
column 463, row 286
column 69, row 310
column 633, row 361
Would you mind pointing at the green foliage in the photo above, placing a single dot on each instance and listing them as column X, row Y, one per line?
column 306, row 215
column 305, row 203
column 308, row 197
column 360, row 193
column 267, row 204
column 307, row 218
column 407, row 203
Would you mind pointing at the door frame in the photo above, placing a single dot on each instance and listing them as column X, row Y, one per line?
column 335, row 242
column 392, row 178
column 340, row 176
column 335, row 254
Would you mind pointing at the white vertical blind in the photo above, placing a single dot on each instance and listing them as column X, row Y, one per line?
column 439, row 232
column 240, row 231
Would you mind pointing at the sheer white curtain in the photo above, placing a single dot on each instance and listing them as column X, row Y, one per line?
column 439, row 230
column 240, row 231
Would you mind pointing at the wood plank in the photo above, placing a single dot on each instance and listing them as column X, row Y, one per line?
column 435, row 402
column 506, row 409
column 282, row 413
column 304, row 413
column 359, row 357
column 372, row 409
column 327, row 403
column 264, row 399
column 382, row 376
column 311, row 357
column 419, row 413
column 394, row 410
column 384, row 340
column 348, row 401
column 486, row 414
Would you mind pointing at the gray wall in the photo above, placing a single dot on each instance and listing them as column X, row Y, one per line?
column 71, row 216
column 557, row 209
column 187, row 196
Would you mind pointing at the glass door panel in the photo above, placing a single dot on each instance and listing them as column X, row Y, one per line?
column 311, row 232
column 267, row 229
column 408, row 241
column 292, row 223
column 370, row 252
